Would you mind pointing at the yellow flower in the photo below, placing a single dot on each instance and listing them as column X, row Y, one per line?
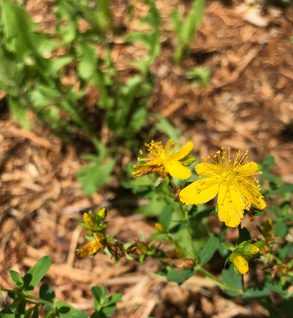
column 239, row 262
column 234, row 183
column 92, row 247
column 165, row 160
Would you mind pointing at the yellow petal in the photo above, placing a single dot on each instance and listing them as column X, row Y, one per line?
column 89, row 221
column 251, row 192
column 89, row 249
column 200, row 191
column 209, row 169
column 99, row 237
column 183, row 152
column 240, row 263
column 231, row 205
column 142, row 168
column 248, row 169
column 177, row 170
column 253, row 249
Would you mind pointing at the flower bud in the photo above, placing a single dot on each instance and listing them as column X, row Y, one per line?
column 239, row 262
column 161, row 227
column 102, row 213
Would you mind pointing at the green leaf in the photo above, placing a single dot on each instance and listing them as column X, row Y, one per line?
column 192, row 21
column 28, row 312
column 176, row 22
column 36, row 273
column 199, row 74
column 99, row 293
column 228, row 246
column 109, row 310
column 208, row 250
column 244, row 235
column 65, row 11
column 114, row 299
column 36, row 313
column 282, row 252
column 53, row 66
column 275, row 286
column 16, row 308
column 47, row 293
column 281, row 229
column 268, row 162
column 127, row 245
column 288, row 188
column 87, row 61
column 257, row 212
column 95, row 176
column 139, row 185
column 154, row 208
column 166, row 127
column 98, row 314
column 16, row 278
column 65, row 310
column 166, row 215
column 176, row 276
column 17, row 28
column 230, row 278
column 19, row 112
column 255, row 292
column 268, row 176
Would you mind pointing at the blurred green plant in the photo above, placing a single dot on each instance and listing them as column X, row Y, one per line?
column 49, row 75
column 185, row 29
column 31, row 72
column 199, row 75
column 25, row 305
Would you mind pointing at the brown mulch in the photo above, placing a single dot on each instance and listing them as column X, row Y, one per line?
column 247, row 105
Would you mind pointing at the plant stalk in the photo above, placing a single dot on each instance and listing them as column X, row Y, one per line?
column 38, row 300
column 217, row 281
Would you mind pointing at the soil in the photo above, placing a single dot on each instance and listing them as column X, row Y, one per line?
column 247, row 105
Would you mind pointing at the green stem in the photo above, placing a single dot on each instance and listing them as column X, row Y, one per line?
column 178, row 247
column 217, row 281
column 38, row 300
column 185, row 220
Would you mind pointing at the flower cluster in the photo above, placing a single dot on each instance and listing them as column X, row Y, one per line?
column 233, row 182
column 94, row 224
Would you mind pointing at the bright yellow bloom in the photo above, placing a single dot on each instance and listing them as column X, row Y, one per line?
column 234, row 183
column 239, row 262
column 165, row 160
